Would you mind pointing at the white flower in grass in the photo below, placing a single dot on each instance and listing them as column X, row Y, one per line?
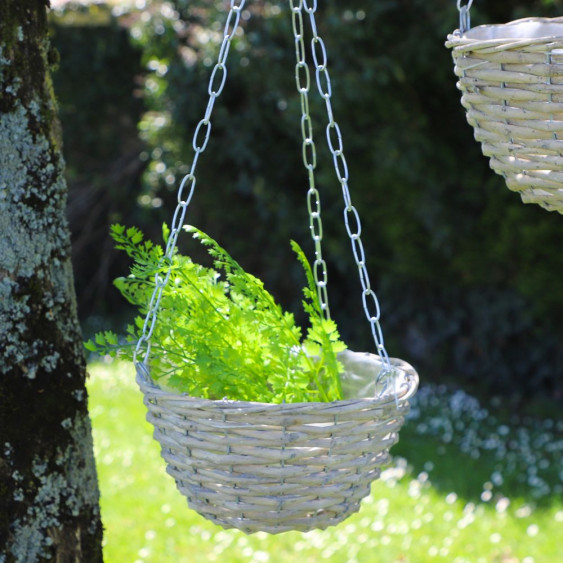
column 497, row 478
column 524, row 511
column 502, row 504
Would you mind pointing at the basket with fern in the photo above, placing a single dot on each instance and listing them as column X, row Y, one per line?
column 262, row 427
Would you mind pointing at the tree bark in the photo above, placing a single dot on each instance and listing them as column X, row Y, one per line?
column 49, row 498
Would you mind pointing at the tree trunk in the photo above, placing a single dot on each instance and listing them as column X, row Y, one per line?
column 49, row 498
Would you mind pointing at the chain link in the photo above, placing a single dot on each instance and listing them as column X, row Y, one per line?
column 468, row 5
column 187, row 186
column 464, row 16
column 200, row 140
column 303, row 82
column 336, row 147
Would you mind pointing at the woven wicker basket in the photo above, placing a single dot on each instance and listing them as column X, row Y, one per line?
column 275, row 468
column 511, row 77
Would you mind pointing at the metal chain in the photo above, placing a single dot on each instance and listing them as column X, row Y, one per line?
column 334, row 139
column 336, row 147
column 303, row 82
column 464, row 16
column 186, row 190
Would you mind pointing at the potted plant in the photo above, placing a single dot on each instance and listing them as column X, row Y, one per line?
column 220, row 333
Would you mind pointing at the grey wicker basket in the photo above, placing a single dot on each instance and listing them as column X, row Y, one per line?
column 511, row 79
column 279, row 467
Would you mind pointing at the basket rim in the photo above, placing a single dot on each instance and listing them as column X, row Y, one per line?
column 459, row 40
column 408, row 387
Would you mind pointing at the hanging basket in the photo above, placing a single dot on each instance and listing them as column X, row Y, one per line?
column 511, row 78
column 280, row 467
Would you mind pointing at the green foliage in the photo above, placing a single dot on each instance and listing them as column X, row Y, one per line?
column 468, row 277
column 96, row 85
column 220, row 333
column 446, row 241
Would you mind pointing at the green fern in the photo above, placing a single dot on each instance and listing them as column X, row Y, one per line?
column 220, row 333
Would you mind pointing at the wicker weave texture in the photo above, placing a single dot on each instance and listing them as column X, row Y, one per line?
column 275, row 468
column 512, row 89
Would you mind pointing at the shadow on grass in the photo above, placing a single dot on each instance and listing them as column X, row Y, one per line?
column 467, row 450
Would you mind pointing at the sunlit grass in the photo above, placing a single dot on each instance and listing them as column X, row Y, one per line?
column 460, row 496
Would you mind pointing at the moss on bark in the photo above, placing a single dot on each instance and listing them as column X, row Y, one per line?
column 48, row 487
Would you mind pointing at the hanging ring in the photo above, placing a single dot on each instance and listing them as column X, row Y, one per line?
column 312, row 8
column 468, row 6
column 464, row 16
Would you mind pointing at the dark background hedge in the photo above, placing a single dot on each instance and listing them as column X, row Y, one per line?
column 468, row 277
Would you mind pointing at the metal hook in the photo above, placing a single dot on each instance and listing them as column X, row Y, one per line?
column 464, row 16
column 468, row 4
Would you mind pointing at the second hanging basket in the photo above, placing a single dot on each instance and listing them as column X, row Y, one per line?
column 511, row 79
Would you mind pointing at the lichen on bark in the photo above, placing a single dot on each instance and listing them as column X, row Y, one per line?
column 48, row 486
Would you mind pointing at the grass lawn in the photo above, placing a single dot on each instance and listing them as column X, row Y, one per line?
column 463, row 487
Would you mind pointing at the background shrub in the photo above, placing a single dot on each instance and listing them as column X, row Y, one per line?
column 469, row 278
